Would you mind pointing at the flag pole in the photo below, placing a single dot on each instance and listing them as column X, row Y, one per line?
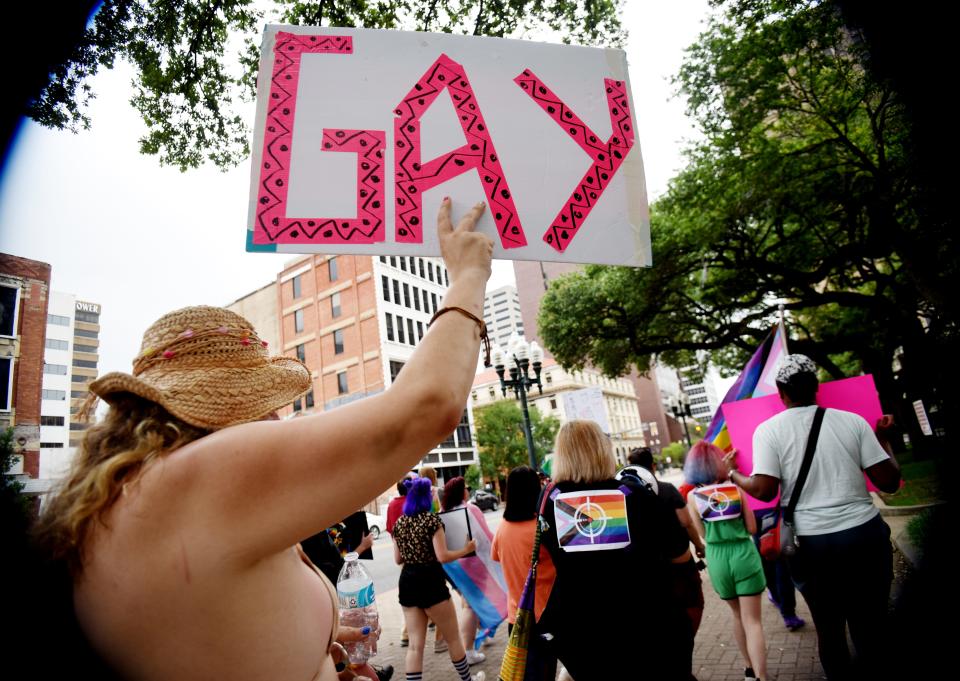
column 783, row 330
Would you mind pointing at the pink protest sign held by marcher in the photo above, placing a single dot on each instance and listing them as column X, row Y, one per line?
column 857, row 395
column 360, row 133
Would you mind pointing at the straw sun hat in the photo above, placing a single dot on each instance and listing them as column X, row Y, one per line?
column 206, row 366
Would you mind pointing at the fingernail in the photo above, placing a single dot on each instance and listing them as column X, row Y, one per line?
column 365, row 631
column 446, row 199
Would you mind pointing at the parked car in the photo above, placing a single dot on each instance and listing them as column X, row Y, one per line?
column 487, row 501
column 376, row 523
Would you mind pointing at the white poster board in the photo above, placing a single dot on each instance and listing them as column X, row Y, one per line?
column 456, row 528
column 360, row 134
column 586, row 404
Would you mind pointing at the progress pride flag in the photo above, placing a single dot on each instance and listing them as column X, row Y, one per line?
column 360, row 133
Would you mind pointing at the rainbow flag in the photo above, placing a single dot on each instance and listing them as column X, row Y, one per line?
column 480, row 579
column 718, row 502
column 757, row 379
column 592, row 520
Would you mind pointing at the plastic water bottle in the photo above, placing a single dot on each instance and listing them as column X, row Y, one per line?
column 358, row 606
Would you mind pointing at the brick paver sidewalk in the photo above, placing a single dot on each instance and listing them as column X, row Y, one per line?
column 791, row 656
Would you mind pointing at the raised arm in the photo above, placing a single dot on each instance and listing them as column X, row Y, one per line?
column 262, row 487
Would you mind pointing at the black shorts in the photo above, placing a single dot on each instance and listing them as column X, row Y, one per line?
column 423, row 585
column 686, row 584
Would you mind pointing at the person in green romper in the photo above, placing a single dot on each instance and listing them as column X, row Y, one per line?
column 726, row 523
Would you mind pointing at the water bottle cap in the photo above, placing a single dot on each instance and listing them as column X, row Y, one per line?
column 353, row 555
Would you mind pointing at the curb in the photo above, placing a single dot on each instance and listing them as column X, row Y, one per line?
column 886, row 510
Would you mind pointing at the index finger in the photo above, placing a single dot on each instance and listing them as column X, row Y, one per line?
column 469, row 221
column 444, row 225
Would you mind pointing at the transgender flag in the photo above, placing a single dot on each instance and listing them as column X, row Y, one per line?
column 757, row 379
column 479, row 579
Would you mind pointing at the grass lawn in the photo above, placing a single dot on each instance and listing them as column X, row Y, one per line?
column 921, row 483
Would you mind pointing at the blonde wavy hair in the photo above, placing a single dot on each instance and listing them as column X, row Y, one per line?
column 582, row 454
column 114, row 452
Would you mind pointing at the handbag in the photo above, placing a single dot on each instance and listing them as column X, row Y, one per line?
column 789, row 542
column 514, row 664
column 770, row 535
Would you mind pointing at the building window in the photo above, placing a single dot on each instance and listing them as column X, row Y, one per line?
column 298, row 321
column 338, row 342
column 84, row 348
column 85, row 363
column 463, row 430
column 548, row 378
column 6, row 382
column 419, row 330
column 493, row 393
column 54, row 394
column 389, row 326
column 58, row 369
column 9, row 302
column 446, row 277
column 55, row 344
column 403, row 263
column 395, row 368
column 342, row 386
column 396, row 291
column 553, row 403
column 420, row 261
column 302, row 352
column 78, row 426
column 51, row 420
column 297, row 405
column 402, row 338
column 430, row 271
column 335, row 305
column 51, row 445
column 393, row 261
column 433, row 297
column 58, row 320
column 406, row 296
column 410, row 331
column 416, row 299
column 77, row 378
column 91, row 317
column 332, row 269
column 295, row 282
column 86, row 333
column 383, row 259
column 385, row 284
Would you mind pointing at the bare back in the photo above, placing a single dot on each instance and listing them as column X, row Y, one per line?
column 161, row 601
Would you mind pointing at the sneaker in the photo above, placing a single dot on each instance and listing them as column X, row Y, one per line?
column 793, row 622
column 474, row 657
column 749, row 675
column 440, row 646
column 404, row 642
column 384, row 673
column 488, row 641
column 479, row 676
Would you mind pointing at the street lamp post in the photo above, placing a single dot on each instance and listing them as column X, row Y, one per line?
column 521, row 358
column 681, row 410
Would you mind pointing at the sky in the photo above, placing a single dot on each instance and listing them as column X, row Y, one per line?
column 140, row 239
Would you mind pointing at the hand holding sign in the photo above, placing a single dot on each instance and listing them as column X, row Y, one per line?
column 464, row 250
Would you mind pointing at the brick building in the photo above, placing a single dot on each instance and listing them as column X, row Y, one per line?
column 355, row 321
column 24, row 293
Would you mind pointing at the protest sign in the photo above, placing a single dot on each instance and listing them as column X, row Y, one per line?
column 857, row 395
column 586, row 404
column 361, row 133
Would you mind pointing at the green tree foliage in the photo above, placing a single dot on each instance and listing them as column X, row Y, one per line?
column 196, row 60
column 502, row 443
column 472, row 476
column 798, row 193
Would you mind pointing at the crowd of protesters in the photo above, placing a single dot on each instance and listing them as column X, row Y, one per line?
column 179, row 526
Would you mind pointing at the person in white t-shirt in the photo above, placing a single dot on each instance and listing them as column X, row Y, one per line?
column 843, row 566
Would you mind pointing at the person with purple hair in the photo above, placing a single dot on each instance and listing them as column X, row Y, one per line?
column 419, row 545
column 727, row 525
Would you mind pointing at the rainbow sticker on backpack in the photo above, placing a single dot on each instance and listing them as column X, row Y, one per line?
column 718, row 502
column 593, row 520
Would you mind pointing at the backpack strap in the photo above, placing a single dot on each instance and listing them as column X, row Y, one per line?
column 805, row 466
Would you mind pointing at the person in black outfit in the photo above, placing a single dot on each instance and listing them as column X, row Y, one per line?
column 605, row 599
